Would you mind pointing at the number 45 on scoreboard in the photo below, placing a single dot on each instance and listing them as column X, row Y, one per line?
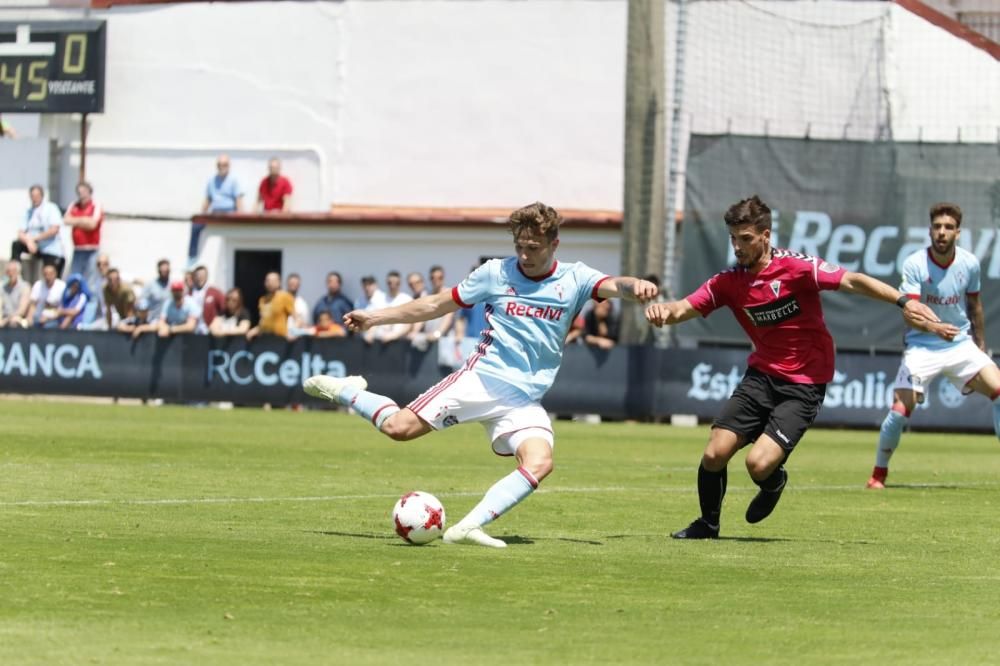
column 52, row 67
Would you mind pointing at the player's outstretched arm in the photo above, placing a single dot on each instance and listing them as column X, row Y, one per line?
column 422, row 309
column 629, row 288
column 915, row 314
column 674, row 312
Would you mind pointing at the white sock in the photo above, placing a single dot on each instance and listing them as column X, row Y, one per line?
column 888, row 437
column 505, row 494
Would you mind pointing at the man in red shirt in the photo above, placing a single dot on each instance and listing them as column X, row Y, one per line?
column 86, row 217
column 275, row 191
column 774, row 295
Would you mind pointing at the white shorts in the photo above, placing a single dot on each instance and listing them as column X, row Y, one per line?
column 959, row 364
column 509, row 416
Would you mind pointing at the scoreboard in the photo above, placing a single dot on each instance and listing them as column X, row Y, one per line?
column 52, row 66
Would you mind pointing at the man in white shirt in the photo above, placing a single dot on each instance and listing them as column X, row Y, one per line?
column 46, row 297
column 300, row 319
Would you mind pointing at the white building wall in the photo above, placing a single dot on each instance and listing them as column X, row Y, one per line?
column 475, row 102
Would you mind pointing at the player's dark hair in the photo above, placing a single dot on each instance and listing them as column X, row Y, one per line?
column 83, row 183
column 335, row 273
column 435, row 267
column 749, row 211
column 393, row 273
column 41, row 190
column 952, row 210
column 536, row 219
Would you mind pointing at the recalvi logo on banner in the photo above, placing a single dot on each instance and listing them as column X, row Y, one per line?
column 857, row 248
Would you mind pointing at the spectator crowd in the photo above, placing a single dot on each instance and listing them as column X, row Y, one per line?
column 94, row 296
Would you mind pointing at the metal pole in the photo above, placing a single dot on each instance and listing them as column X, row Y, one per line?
column 677, row 108
column 83, row 148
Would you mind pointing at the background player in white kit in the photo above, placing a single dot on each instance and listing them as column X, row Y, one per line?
column 530, row 301
column 945, row 277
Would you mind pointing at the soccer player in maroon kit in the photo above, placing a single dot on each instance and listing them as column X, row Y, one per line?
column 774, row 295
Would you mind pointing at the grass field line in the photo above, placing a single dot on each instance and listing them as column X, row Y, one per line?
column 181, row 501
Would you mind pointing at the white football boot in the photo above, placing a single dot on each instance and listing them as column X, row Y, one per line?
column 471, row 536
column 330, row 388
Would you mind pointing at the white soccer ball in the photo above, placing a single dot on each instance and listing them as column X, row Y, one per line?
column 418, row 517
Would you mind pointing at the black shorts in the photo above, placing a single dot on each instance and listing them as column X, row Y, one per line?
column 781, row 409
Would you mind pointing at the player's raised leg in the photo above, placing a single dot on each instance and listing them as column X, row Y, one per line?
column 765, row 464
column 534, row 455
column 381, row 411
column 889, row 434
column 712, row 478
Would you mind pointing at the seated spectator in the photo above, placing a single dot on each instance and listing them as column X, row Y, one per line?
column 39, row 233
column 393, row 297
column 86, row 217
column 208, row 299
column 181, row 314
column 275, row 192
column 46, row 298
column 275, row 307
column 157, row 293
column 334, row 302
column 15, row 298
column 326, row 327
column 300, row 319
column 600, row 325
column 223, row 194
column 119, row 300
column 234, row 320
column 75, row 297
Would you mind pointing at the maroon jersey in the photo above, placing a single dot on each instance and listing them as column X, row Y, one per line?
column 780, row 310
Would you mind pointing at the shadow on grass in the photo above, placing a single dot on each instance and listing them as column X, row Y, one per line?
column 517, row 540
column 512, row 540
column 743, row 539
column 355, row 535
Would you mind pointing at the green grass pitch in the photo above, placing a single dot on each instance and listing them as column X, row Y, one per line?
column 181, row 536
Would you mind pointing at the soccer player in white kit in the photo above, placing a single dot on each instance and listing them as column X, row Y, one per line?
column 946, row 278
column 530, row 300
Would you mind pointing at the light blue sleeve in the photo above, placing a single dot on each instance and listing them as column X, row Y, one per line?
column 208, row 189
column 192, row 311
column 911, row 278
column 477, row 286
column 237, row 190
column 588, row 279
column 974, row 280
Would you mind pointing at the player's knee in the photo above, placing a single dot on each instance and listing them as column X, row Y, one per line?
column 398, row 429
column 714, row 460
column 759, row 466
column 540, row 468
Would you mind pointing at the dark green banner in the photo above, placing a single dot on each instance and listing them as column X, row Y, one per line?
column 860, row 205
